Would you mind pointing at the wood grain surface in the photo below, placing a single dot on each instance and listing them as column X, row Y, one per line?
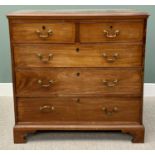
column 81, row 110
column 61, row 32
column 128, row 31
column 78, row 81
column 129, row 55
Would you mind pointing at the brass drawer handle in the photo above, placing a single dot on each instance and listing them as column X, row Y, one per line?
column 43, row 59
column 110, row 83
column 111, row 34
column 46, row 85
column 110, row 59
column 110, row 112
column 46, row 108
column 44, row 33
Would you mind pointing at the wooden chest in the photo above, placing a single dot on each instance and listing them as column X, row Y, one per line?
column 78, row 71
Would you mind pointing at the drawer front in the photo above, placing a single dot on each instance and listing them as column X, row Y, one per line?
column 43, row 32
column 94, row 109
column 111, row 31
column 114, row 55
column 78, row 81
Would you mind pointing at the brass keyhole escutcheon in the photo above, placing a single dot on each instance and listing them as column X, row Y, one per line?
column 111, row 27
column 77, row 100
column 77, row 74
column 77, row 50
column 43, row 27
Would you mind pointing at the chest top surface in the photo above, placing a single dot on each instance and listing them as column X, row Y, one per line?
column 78, row 14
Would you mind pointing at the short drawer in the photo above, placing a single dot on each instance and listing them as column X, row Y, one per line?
column 78, row 81
column 118, row 31
column 107, row 55
column 43, row 32
column 94, row 109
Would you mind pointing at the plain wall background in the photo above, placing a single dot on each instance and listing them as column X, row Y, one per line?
column 5, row 62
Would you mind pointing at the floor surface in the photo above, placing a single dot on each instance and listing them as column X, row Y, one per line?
column 75, row 140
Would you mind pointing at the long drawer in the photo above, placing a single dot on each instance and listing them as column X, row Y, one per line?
column 59, row 32
column 93, row 109
column 114, row 31
column 106, row 55
column 77, row 81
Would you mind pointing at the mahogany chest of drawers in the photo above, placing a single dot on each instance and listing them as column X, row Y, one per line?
column 78, row 71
